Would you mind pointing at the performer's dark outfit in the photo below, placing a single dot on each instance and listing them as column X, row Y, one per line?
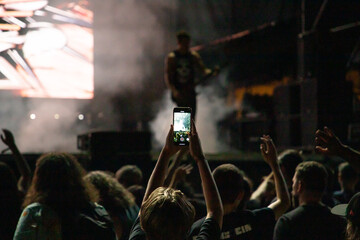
column 184, row 80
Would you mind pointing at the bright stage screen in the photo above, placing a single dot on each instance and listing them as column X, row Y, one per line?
column 46, row 48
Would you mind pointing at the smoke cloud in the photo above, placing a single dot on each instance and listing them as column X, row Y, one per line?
column 211, row 109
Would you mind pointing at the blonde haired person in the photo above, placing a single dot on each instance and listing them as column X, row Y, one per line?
column 166, row 213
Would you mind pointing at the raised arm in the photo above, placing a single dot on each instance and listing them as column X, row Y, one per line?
column 157, row 177
column 22, row 165
column 174, row 165
column 206, row 72
column 328, row 143
column 269, row 154
column 264, row 187
column 180, row 174
column 210, row 191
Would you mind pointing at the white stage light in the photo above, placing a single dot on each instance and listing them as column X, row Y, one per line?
column 56, row 116
column 81, row 117
column 33, row 116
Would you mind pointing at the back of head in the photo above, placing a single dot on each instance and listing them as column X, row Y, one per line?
column 138, row 192
column 58, row 182
column 346, row 172
column 289, row 159
column 313, row 175
column 166, row 214
column 129, row 175
column 112, row 195
column 229, row 181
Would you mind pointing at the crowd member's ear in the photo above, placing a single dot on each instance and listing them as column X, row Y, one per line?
column 339, row 177
column 240, row 196
column 300, row 187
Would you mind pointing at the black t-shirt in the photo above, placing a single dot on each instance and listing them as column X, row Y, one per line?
column 185, row 70
column 244, row 224
column 209, row 230
column 314, row 222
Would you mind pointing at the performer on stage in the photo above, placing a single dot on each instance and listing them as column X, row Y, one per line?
column 180, row 70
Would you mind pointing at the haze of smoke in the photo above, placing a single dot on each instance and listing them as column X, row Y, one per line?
column 211, row 108
column 160, row 125
column 130, row 35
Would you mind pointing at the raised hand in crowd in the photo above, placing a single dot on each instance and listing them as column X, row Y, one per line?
column 180, row 174
column 328, row 143
column 175, row 164
column 158, row 175
column 211, row 194
column 269, row 153
column 23, row 167
column 265, row 192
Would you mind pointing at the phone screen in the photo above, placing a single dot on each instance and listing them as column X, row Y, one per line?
column 182, row 126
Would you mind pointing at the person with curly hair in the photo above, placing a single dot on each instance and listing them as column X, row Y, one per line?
column 57, row 197
column 117, row 200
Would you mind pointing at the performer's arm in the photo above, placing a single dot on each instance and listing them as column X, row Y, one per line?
column 201, row 66
column 170, row 70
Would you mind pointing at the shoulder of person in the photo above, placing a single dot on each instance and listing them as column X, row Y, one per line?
column 262, row 211
column 171, row 55
column 98, row 209
column 195, row 54
column 195, row 228
column 41, row 215
column 40, row 210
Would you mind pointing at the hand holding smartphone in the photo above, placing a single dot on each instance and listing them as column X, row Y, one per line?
column 182, row 125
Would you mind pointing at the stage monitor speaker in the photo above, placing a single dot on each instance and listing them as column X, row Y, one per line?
column 246, row 133
column 110, row 150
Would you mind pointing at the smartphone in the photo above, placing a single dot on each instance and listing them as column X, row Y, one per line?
column 182, row 125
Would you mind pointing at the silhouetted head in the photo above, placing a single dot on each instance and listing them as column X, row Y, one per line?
column 112, row 195
column 230, row 183
column 129, row 175
column 347, row 176
column 310, row 177
column 288, row 161
column 183, row 40
column 166, row 214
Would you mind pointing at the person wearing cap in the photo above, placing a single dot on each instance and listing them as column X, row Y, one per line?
column 311, row 219
column 352, row 213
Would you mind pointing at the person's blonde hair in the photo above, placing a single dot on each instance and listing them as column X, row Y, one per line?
column 166, row 214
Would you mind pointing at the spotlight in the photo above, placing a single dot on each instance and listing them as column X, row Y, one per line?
column 32, row 116
column 56, row 116
column 81, row 117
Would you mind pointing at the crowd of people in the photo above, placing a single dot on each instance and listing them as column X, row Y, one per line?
column 60, row 200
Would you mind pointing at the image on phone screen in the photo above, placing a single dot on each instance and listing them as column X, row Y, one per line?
column 182, row 123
